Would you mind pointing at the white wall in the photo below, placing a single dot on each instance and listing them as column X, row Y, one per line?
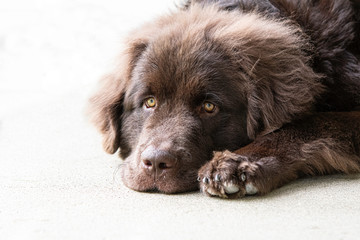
column 49, row 48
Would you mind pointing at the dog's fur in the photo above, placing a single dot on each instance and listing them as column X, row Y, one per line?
column 269, row 66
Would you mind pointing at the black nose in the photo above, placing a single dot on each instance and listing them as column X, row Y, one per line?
column 155, row 159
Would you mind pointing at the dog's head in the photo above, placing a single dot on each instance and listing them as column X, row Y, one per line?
column 199, row 81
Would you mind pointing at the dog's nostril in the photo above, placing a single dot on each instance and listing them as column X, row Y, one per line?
column 147, row 163
column 153, row 164
column 163, row 166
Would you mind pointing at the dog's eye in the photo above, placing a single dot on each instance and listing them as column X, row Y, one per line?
column 150, row 102
column 209, row 107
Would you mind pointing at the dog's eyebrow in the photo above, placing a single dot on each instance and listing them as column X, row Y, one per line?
column 135, row 95
column 213, row 97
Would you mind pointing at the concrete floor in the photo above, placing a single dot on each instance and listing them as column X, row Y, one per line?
column 57, row 183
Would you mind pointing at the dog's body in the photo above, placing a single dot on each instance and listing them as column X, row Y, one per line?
column 245, row 77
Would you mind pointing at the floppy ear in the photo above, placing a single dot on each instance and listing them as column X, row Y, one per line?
column 282, row 84
column 275, row 69
column 106, row 106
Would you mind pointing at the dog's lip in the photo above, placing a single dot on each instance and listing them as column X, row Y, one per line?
column 161, row 185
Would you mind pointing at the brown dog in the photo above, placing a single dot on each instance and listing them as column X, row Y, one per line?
column 247, row 78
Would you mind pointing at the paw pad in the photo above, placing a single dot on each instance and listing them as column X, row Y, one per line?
column 231, row 188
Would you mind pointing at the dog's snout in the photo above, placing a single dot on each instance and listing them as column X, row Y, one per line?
column 155, row 159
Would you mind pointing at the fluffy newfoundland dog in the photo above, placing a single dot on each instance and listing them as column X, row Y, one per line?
column 235, row 97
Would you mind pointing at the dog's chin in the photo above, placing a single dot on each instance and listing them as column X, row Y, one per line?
column 141, row 182
column 161, row 186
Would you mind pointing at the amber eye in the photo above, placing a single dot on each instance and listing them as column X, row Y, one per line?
column 209, row 107
column 150, row 102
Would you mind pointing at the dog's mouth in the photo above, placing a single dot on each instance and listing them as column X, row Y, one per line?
column 168, row 182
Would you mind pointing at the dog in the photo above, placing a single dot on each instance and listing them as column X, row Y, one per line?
column 235, row 97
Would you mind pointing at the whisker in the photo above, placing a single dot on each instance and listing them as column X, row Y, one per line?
column 117, row 169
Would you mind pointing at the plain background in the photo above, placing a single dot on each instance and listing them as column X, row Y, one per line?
column 56, row 182
column 52, row 47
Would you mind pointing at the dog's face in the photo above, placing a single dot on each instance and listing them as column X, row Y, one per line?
column 182, row 104
column 196, row 82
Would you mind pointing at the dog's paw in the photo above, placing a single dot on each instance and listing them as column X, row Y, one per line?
column 228, row 175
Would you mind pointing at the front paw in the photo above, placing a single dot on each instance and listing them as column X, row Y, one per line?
column 228, row 175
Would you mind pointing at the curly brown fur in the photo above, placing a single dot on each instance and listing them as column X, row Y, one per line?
column 263, row 64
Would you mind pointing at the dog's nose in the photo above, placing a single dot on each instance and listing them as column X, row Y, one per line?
column 155, row 159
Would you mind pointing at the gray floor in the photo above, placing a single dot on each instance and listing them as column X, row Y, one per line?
column 57, row 183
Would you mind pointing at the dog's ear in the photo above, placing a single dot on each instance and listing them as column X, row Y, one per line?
column 274, row 69
column 106, row 106
column 282, row 84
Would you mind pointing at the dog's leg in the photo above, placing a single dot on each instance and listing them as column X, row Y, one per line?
column 320, row 144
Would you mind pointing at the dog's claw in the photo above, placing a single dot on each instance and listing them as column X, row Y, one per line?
column 206, row 180
column 243, row 177
column 217, row 178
